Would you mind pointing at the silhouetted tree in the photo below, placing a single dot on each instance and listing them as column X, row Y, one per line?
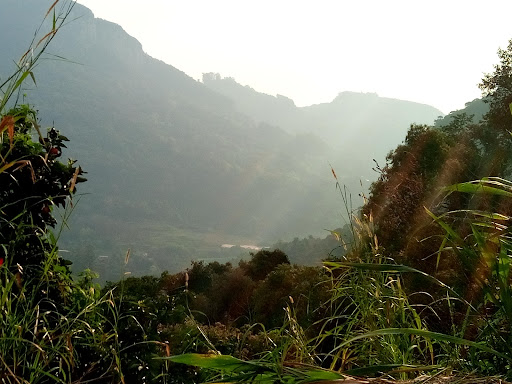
column 263, row 262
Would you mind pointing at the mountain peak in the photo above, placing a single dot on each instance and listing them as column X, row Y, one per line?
column 352, row 95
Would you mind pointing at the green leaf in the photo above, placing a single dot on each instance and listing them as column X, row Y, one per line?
column 443, row 225
column 322, row 374
column 20, row 80
column 393, row 268
column 33, row 77
column 480, row 186
column 441, row 248
column 219, row 362
column 433, row 335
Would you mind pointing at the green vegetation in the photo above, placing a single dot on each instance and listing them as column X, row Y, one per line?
column 176, row 168
column 419, row 281
column 422, row 289
column 53, row 329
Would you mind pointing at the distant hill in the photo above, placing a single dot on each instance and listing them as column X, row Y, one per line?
column 311, row 251
column 177, row 167
column 476, row 108
column 372, row 124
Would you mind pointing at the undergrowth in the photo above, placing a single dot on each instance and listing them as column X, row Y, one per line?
column 372, row 325
column 54, row 328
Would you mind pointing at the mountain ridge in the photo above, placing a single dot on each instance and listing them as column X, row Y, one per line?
column 175, row 168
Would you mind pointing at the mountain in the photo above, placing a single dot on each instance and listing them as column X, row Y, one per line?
column 373, row 124
column 476, row 108
column 175, row 167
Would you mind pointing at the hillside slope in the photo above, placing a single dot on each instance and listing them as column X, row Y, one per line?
column 176, row 168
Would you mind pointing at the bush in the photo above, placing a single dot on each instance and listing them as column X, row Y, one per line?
column 33, row 182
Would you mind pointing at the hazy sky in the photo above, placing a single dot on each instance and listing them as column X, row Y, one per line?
column 433, row 52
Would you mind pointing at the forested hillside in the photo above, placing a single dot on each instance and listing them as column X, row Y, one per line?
column 373, row 124
column 175, row 168
column 415, row 285
column 475, row 110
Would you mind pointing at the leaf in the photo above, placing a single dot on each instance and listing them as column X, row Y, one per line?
column 443, row 225
column 220, row 362
column 6, row 120
column 52, row 32
column 334, row 173
column 50, row 9
column 73, row 180
column 7, row 166
column 337, row 381
column 8, row 123
column 487, row 215
column 374, row 370
column 20, row 80
column 33, row 77
column 393, row 268
column 322, row 374
column 335, row 234
column 479, row 186
column 441, row 248
column 433, row 335
column 127, row 257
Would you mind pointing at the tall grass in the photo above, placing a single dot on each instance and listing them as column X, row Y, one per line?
column 52, row 329
column 485, row 255
column 45, row 339
column 365, row 296
column 373, row 325
column 55, row 18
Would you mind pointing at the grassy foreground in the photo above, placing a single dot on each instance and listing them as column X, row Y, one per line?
column 368, row 313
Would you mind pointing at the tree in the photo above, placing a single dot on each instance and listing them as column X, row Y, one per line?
column 497, row 90
column 32, row 183
column 263, row 262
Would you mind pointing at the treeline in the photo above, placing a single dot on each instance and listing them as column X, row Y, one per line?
column 313, row 250
column 254, row 291
column 214, row 306
column 427, row 281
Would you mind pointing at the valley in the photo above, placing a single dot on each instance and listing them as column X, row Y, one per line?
column 173, row 162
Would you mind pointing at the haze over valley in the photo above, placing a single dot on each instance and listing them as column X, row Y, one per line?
column 177, row 167
column 160, row 225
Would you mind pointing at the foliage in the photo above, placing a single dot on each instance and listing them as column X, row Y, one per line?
column 44, row 340
column 34, row 182
column 235, row 370
column 308, row 287
column 366, row 312
column 484, row 256
column 497, row 88
column 378, row 318
column 52, row 329
column 313, row 250
column 263, row 262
